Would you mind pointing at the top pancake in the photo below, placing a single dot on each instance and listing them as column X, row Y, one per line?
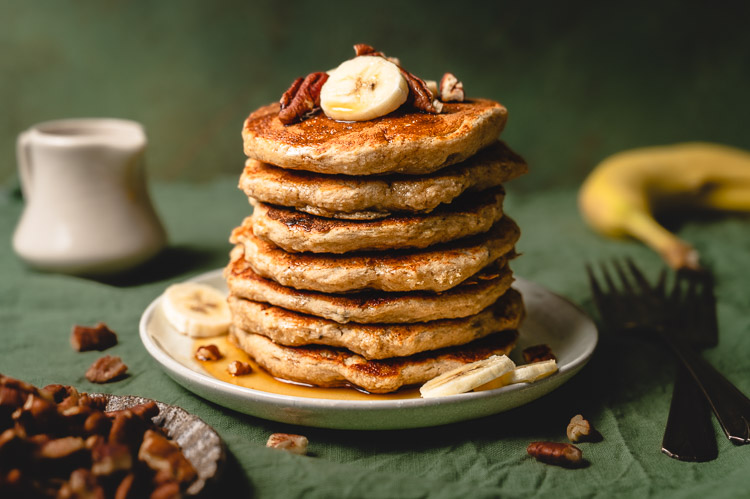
column 404, row 141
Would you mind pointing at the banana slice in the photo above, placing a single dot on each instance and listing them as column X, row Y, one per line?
column 467, row 377
column 363, row 88
column 196, row 310
column 528, row 373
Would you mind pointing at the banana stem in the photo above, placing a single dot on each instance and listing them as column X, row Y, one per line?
column 677, row 253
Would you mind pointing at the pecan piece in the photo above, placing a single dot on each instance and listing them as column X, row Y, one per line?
column 451, row 90
column 208, row 352
column 301, row 98
column 296, row 444
column 538, row 353
column 82, row 483
column 99, row 337
column 106, row 369
column 556, row 453
column 108, row 458
column 238, row 368
column 162, row 455
column 419, row 93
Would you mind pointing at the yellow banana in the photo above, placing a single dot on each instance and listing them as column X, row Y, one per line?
column 620, row 195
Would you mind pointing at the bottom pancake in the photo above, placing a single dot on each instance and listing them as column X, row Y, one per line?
column 327, row 367
column 375, row 341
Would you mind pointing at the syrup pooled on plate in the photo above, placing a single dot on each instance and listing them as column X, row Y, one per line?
column 260, row 380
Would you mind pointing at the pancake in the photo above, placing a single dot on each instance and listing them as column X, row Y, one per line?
column 295, row 231
column 468, row 298
column 325, row 366
column 367, row 198
column 437, row 268
column 375, row 341
column 405, row 141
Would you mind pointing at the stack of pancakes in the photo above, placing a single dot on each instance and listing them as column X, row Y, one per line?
column 377, row 252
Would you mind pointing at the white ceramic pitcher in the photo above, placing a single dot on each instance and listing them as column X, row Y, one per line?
column 87, row 206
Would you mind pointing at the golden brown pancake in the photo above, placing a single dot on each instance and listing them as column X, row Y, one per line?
column 371, row 197
column 405, row 141
column 437, row 268
column 295, row 231
column 326, row 366
column 375, row 341
column 468, row 298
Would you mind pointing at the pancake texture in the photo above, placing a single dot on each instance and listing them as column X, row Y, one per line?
column 437, row 268
column 468, row 298
column 401, row 142
column 375, row 341
column 296, row 232
column 325, row 366
column 367, row 198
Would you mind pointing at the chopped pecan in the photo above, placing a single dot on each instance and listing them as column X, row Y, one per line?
column 97, row 424
column 162, row 455
column 128, row 429
column 538, row 353
column 296, row 444
column 166, row 490
column 301, row 98
column 208, row 352
column 59, row 448
column 556, row 453
column 99, row 337
column 238, row 368
column 126, row 488
column 108, row 458
column 82, row 484
column 451, row 90
column 106, row 369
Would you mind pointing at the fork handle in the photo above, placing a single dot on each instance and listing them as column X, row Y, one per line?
column 689, row 434
column 731, row 406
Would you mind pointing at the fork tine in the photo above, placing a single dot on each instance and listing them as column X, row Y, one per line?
column 626, row 282
column 660, row 288
column 596, row 290
column 611, row 288
column 639, row 277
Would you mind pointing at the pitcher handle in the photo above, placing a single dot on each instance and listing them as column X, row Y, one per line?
column 24, row 163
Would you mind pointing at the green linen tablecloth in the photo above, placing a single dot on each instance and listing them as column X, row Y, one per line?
column 624, row 390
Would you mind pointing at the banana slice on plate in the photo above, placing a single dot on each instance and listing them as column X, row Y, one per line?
column 363, row 88
column 467, row 377
column 196, row 310
column 529, row 373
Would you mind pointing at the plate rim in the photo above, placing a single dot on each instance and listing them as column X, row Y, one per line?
column 208, row 382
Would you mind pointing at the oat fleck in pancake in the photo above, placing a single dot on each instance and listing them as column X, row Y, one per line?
column 400, row 142
column 325, row 366
column 468, row 298
column 437, row 268
column 296, row 231
column 367, row 198
column 375, row 341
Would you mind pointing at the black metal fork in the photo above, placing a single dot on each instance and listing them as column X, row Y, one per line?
column 689, row 433
column 635, row 305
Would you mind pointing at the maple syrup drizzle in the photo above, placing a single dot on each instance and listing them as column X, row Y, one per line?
column 260, row 380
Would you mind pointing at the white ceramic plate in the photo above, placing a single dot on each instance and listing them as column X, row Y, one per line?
column 550, row 319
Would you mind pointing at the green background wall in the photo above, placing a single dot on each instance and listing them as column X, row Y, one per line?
column 581, row 79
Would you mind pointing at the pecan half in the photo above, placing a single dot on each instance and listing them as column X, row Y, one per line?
column 451, row 90
column 561, row 454
column 106, row 369
column 99, row 337
column 301, row 98
column 538, row 353
column 238, row 368
column 208, row 352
